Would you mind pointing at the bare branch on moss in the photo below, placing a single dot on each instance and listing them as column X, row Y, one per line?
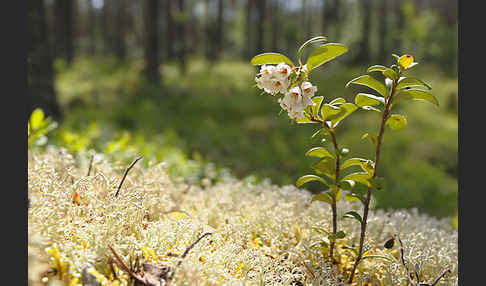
column 126, row 173
column 441, row 276
column 90, row 165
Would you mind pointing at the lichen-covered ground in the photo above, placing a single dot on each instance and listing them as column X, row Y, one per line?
column 261, row 234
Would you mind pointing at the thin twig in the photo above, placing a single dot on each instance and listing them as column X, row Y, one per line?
column 192, row 245
column 119, row 261
column 126, row 173
column 186, row 252
column 440, row 277
column 90, row 165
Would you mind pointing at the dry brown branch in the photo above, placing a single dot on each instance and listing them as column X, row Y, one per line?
column 126, row 173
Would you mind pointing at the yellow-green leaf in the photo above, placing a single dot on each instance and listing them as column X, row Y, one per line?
column 270, row 58
column 416, row 94
column 405, row 82
column 309, row 178
column 396, row 122
column 319, row 152
column 325, row 53
column 363, row 99
column 308, row 42
column 370, row 82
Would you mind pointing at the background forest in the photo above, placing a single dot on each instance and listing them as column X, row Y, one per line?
column 171, row 80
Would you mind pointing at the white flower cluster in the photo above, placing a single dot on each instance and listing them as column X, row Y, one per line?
column 276, row 79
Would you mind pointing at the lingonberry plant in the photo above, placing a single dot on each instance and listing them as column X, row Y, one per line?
column 397, row 87
column 279, row 77
column 302, row 106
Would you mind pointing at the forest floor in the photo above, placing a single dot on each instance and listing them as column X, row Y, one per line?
column 261, row 234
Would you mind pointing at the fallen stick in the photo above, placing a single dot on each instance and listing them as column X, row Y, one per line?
column 126, row 173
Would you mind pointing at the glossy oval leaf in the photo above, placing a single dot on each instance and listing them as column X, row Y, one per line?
column 319, row 152
column 363, row 99
column 309, row 178
column 347, row 185
column 416, row 94
column 371, row 108
column 345, row 110
column 337, row 101
column 325, row 53
column 360, row 177
column 36, row 119
column 396, row 122
column 390, row 73
column 374, row 68
column 405, row 82
column 352, row 162
column 353, row 214
column 316, row 107
column 326, row 166
column 370, row 82
column 308, row 42
column 329, row 110
column 323, row 197
column 270, row 58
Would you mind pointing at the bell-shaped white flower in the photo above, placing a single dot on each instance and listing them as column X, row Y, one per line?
column 308, row 91
column 266, row 71
column 282, row 71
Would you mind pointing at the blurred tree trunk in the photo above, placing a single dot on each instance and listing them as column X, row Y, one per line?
column 91, row 28
column 326, row 17
column 170, row 29
column 119, row 39
column 219, row 30
column 106, row 28
column 364, row 44
column 64, row 29
column 383, row 36
column 151, row 41
column 261, row 7
column 181, row 23
column 40, row 77
column 399, row 27
column 248, row 31
column 275, row 23
column 336, row 19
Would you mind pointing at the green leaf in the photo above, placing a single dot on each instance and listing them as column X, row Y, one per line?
column 329, row 110
column 337, row 101
column 304, row 120
column 405, row 82
column 339, row 235
column 371, row 108
column 309, row 178
column 315, row 108
column 308, row 42
column 352, row 162
column 325, row 53
column 376, row 68
column 360, row 177
column 370, row 82
column 344, row 152
column 326, row 166
column 270, row 58
column 345, row 110
column 416, row 94
column 354, row 250
column 353, row 214
column 396, row 122
column 363, row 99
column 37, row 119
column 347, row 185
column 336, row 192
column 390, row 73
column 353, row 197
column 319, row 152
column 323, row 197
